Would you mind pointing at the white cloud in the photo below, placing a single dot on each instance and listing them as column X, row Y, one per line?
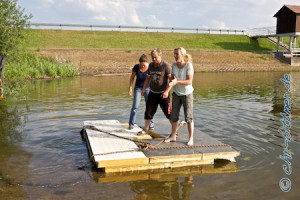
column 114, row 11
column 218, row 24
column 234, row 14
column 152, row 20
column 269, row 3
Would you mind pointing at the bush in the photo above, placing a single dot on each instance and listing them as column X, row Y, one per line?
column 13, row 22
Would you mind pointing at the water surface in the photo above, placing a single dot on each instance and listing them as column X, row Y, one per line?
column 41, row 149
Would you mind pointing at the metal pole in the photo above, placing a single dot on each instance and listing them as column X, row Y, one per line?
column 278, row 41
column 290, row 44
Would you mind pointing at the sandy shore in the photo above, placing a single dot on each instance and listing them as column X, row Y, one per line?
column 99, row 62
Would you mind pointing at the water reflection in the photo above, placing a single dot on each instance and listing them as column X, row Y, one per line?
column 178, row 189
column 41, row 148
column 13, row 160
column 220, row 166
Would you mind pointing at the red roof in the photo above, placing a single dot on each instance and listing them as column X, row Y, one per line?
column 293, row 8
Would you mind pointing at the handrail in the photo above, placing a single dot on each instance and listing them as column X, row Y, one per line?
column 147, row 28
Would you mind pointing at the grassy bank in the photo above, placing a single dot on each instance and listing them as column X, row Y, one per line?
column 41, row 39
column 107, row 52
column 29, row 66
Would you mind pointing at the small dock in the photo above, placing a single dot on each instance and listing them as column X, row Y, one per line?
column 114, row 148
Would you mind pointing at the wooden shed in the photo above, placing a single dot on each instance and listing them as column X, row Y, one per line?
column 288, row 25
column 288, row 19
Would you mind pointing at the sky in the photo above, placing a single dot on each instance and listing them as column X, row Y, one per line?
column 220, row 14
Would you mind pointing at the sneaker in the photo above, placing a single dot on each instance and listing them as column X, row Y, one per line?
column 151, row 127
column 131, row 127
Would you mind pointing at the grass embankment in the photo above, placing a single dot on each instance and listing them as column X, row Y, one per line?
column 102, row 52
column 41, row 39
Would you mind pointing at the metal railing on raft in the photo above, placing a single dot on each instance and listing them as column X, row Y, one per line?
column 144, row 28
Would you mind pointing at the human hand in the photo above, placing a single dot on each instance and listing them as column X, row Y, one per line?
column 130, row 91
column 143, row 92
column 173, row 82
column 165, row 95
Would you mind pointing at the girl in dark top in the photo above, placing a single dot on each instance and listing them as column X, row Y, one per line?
column 139, row 71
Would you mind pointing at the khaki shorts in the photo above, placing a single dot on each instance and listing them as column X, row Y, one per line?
column 187, row 102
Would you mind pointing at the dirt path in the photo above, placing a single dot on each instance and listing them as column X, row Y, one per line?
column 96, row 62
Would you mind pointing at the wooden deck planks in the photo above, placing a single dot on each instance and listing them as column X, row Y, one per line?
column 108, row 150
column 111, row 153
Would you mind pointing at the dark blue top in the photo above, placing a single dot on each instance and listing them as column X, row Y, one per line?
column 140, row 76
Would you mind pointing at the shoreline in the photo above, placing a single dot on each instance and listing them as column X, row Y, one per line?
column 104, row 62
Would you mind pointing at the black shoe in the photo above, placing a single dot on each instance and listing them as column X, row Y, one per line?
column 131, row 127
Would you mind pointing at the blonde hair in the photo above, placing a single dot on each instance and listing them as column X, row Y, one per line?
column 156, row 51
column 186, row 57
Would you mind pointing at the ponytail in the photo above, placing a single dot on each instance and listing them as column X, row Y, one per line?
column 187, row 58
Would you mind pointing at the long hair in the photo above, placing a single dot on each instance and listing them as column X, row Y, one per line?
column 187, row 57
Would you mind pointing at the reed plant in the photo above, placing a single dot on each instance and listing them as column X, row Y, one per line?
column 31, row 66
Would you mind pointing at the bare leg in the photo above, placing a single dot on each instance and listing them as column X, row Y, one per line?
column 172, row 137
column 147, row 124
column 191, row 133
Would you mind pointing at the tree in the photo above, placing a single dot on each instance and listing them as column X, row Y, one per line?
column 13, row 22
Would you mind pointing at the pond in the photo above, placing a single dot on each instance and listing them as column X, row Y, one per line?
column 41, row 148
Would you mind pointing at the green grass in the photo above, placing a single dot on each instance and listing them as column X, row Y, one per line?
column 30, row 66
column 286, row 40
column 37, row 39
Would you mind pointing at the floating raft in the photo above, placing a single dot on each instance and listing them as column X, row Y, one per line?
column 167, row 174
column 113, row 148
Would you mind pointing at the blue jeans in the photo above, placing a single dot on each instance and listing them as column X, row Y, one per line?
column 136, row 104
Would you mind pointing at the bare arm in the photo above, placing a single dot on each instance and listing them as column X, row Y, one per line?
column 169, row 87
column 146, row 84
column 131, row 83
column 188, row 81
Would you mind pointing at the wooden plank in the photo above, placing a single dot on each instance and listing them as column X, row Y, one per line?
column 205, row 143
column 108, row 150
column 142, row 137
column 153, row 166
column 114, row 154
column 166, row 174
column 121, row 162
column 177, row 158
column 221, row 155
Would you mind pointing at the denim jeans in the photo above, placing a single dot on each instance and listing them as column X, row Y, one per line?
column 136, row 104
